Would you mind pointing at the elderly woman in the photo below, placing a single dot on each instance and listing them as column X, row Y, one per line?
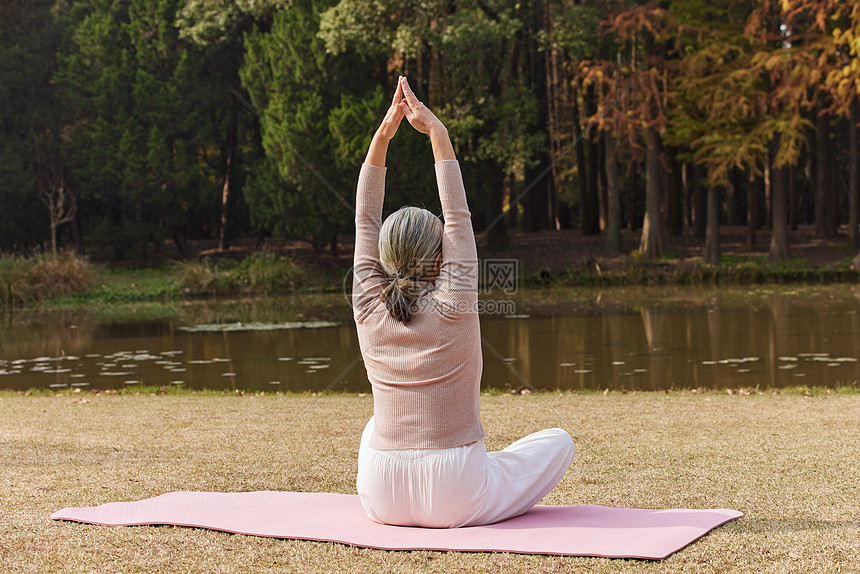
column 422, row 460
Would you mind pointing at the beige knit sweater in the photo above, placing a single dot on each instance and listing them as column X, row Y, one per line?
column 425, row 374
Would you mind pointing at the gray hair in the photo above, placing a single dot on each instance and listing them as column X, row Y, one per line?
column 409, row 241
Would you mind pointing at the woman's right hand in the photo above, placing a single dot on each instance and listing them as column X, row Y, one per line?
column 393, row 116
column 419, row 115
column 379, row 144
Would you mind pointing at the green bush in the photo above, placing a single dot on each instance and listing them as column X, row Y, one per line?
column 198, row 277
column 267, row 272
column 261, row 272
column 208, row 278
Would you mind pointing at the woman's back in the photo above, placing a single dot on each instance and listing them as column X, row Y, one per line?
column 425, row 373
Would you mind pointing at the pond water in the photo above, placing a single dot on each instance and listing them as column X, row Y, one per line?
column 639, row 339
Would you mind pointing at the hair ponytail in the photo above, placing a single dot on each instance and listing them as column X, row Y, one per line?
column 400, row 298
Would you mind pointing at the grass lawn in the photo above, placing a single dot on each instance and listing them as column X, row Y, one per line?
column 790, row 462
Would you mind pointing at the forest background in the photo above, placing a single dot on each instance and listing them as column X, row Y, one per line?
column 129, row 124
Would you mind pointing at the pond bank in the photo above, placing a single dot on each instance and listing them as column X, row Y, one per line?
column 549, row 258
column 788, row 461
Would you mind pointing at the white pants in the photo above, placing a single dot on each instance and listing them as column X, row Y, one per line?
column 461, row 486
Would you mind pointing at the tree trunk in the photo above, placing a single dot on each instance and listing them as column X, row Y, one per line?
column 54, row 193
column 579, row 150
column 225, row 195
column 752, row 212
column 54, row 240
column 563, row 217
column 793, row 207
column 512, row 216
column 589, row 210
column 825, row 196
column 853, row 178
column 557, row 98
column 686, row 170
column 712, row 233
column 225, row 191
column 732, row 199
column 700, row 200
column 651, row 244
column 675, row 212
column 181, row 242
column 538, row 206
column 779, row 248
column 535, row 212
column 767, row 185
column 593, row 227
column 602, row 184
column 632, row 195
column 613, row 196
column 78, row 235
column 494, row 179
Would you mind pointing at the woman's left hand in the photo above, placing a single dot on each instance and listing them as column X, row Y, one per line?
column 416, row 113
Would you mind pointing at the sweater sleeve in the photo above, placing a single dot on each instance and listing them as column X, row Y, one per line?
column 457, row 285
column 367, row 275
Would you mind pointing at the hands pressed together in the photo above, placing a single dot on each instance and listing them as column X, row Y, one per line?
column 404, row 104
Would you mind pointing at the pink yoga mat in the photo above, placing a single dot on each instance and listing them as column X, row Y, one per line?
column 562, row 530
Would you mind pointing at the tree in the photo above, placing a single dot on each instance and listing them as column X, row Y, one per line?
column 712, row 228
column 318, row 111
column 613, row 194
column 30, row 33
column 820, row 76
column 741, row 105
column 651, row 242
column 216, row 28
column 55, row 193
column 136, row 105
column 843, row 84
column 779, row 247
column 854, row 178
column 479, row 64
column 643, row 57
column 133, row 140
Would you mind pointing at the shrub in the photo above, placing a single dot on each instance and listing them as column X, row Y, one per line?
column 14, row 281
column 267, row 272
column 27, row 279
column 66, row 274
column 260, row 272
column 198, row 277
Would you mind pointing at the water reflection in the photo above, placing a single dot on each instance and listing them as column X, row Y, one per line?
column 808, row 336
column 620, row 339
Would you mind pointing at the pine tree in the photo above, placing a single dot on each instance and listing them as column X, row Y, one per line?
column 125, row 76
column 319, row 110
column 31, row 123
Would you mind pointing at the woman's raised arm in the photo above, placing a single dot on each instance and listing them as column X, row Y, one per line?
column 457, row 284
column 368, row 279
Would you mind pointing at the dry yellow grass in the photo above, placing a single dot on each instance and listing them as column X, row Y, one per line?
column 789, row 462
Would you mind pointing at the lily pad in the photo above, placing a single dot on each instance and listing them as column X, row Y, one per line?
column 229, row 327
